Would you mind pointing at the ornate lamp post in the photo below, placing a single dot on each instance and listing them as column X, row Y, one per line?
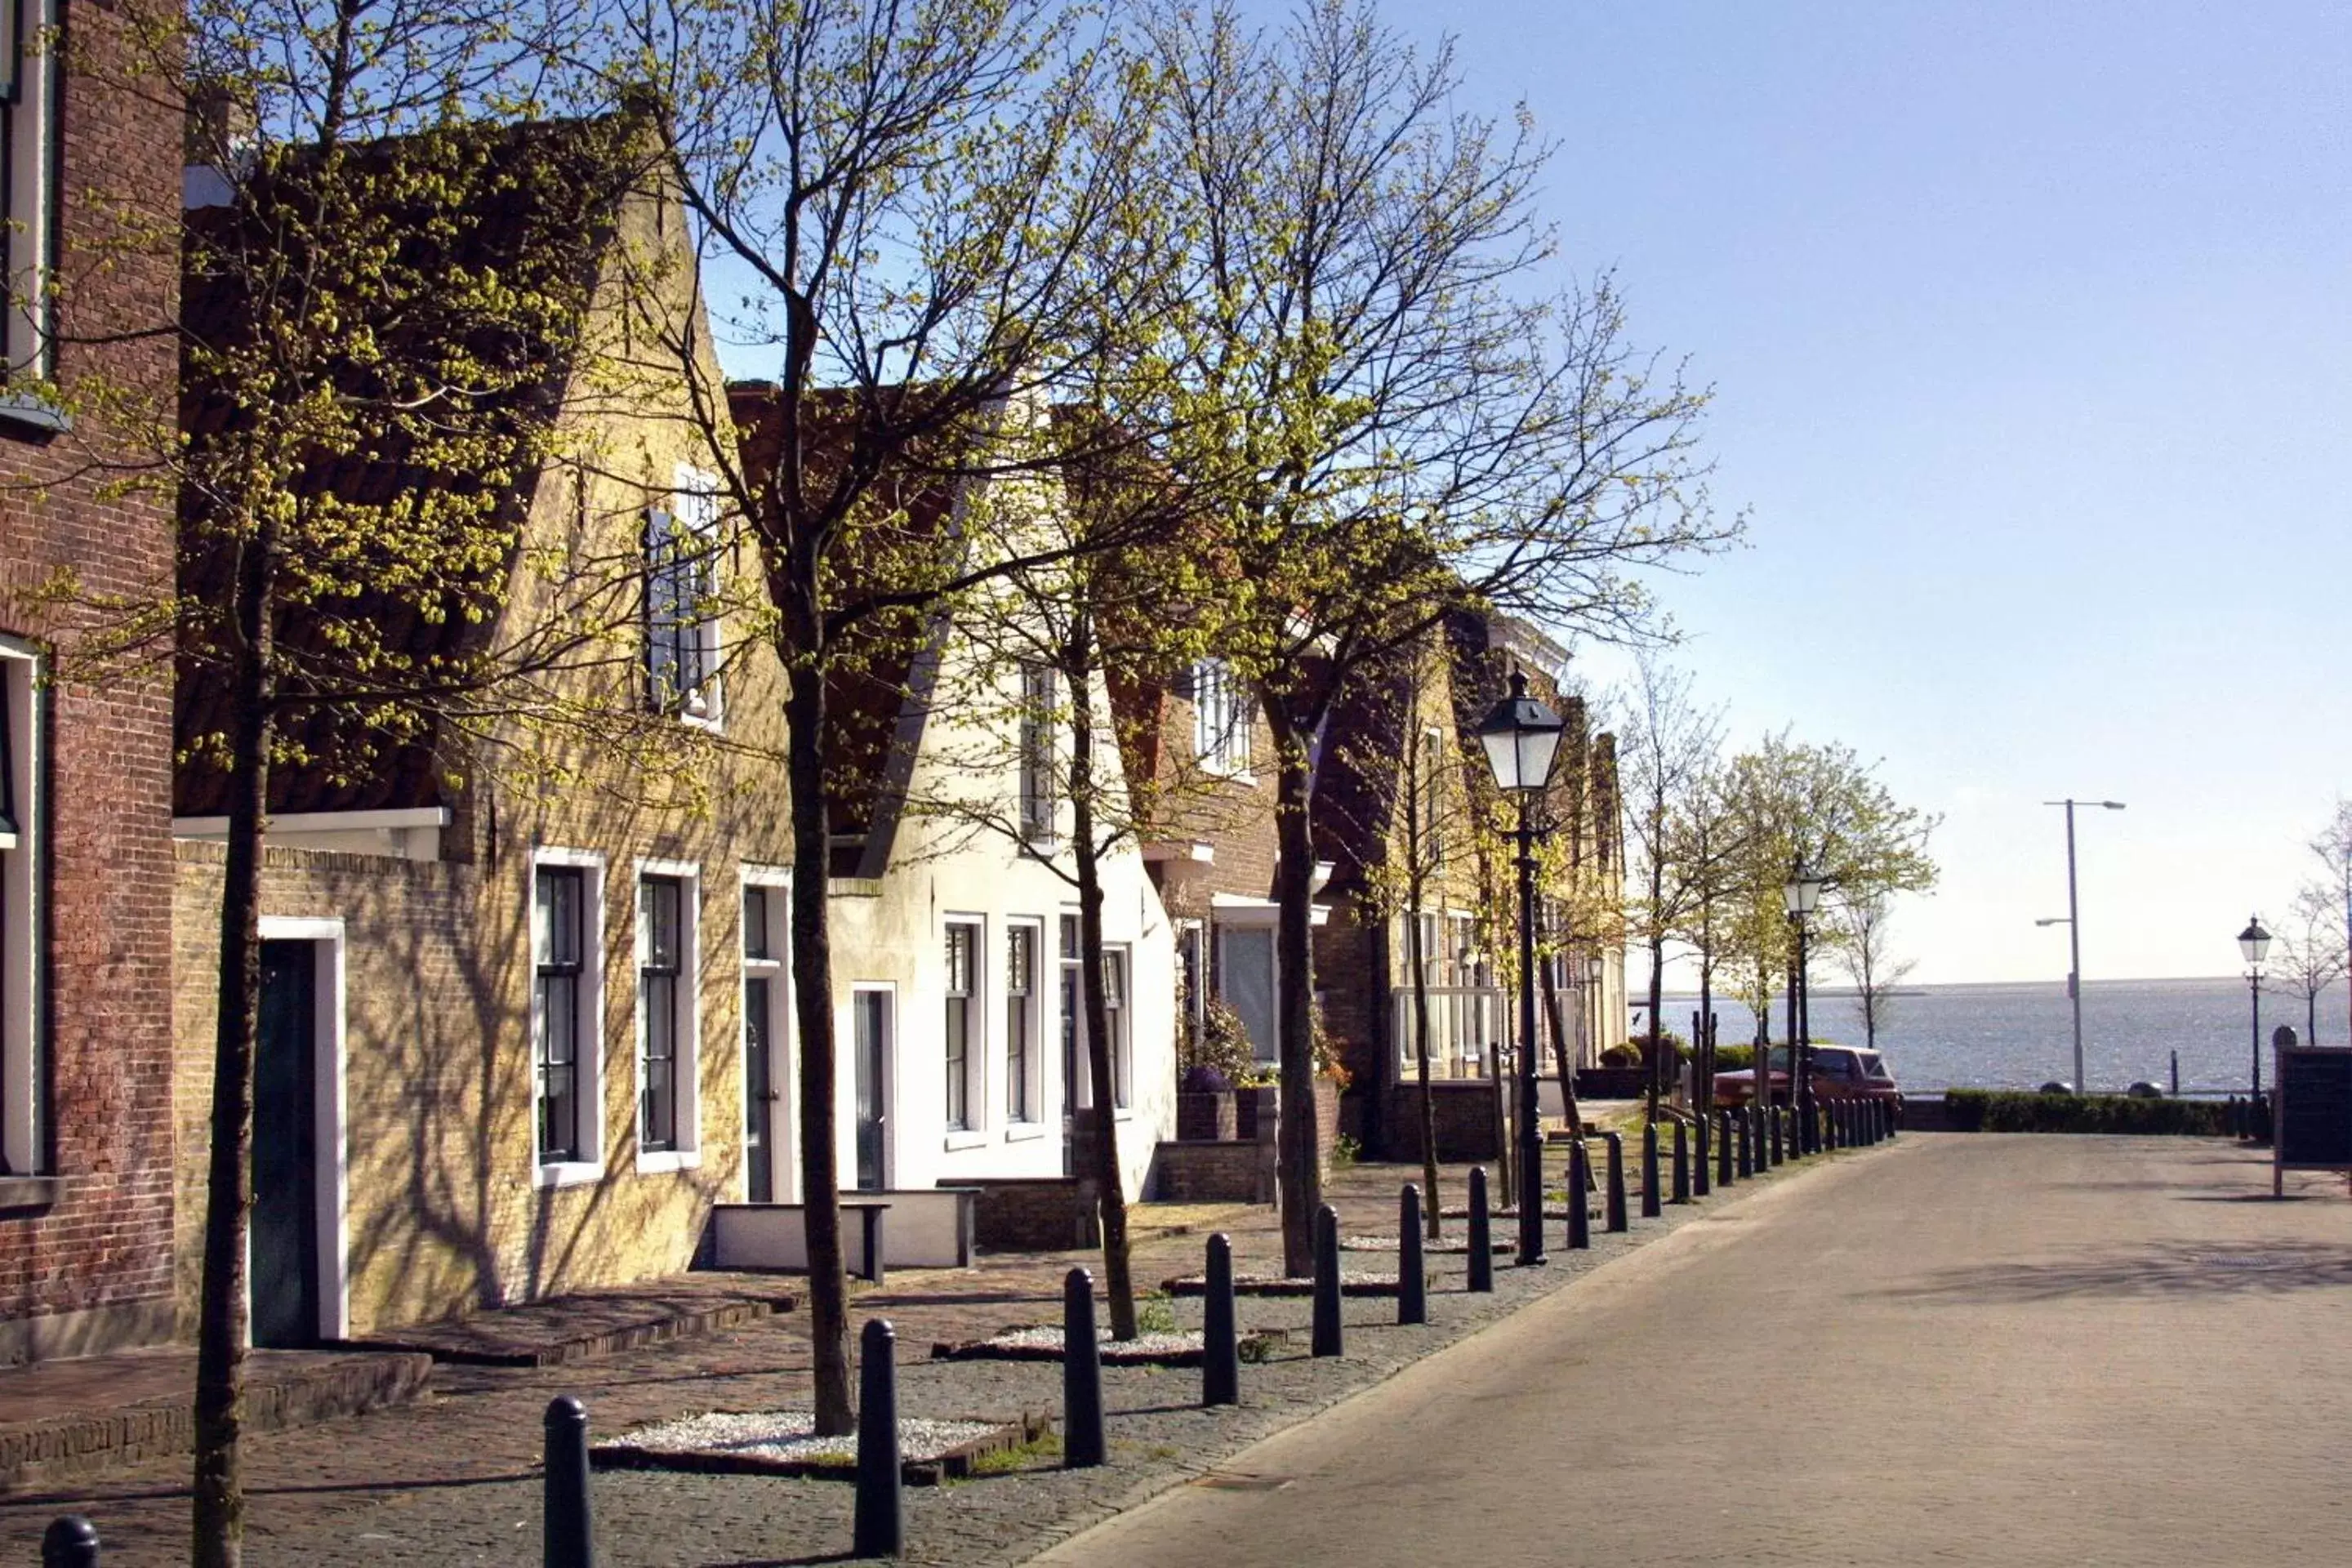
column 1799, row 895
column 1522, row 737
column 2255, row 943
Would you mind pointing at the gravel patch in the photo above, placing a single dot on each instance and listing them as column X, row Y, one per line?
column 1449, row 1248
column 1352, row 1282
column 789, row 1435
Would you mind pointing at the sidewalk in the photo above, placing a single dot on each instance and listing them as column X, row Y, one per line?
column 452, row 1478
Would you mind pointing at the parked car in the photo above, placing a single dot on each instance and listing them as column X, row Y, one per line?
column 1840, row 1072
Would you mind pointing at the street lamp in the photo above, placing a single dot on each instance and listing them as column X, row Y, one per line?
column 2255, row 943
column 1522, row 737
column 1799, row 895
column 2073, row 924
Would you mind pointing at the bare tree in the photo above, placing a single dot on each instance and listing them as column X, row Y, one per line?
column 2331, row 846
column 927, row 212
column 2311, row 952
column 1860, row 939
column 1666, row 751
column 1392, row 425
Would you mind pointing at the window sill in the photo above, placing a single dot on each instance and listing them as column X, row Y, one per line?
column 965, row 1138
column 1210, row 768
column 20, row 1194
column 1123, row 1113
column 570, row 1172
column 1024, row 1132
column 32, row 414
column 663, row 1162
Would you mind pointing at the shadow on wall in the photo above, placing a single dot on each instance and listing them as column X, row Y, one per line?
column 2174, row 1268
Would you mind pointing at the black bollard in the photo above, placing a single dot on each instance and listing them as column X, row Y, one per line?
column 1482, row 1234
column 1650, row 1193
column 1744, row 1126
column 1682, row 1164
column 1083, row 1446
column 1700, row 1184
column 566, row 1538
column 879, row 1529
column 1330, row 1333
column 1580, row 1197
column 1772, row 1129
column 1723, row 1139
column 1412, row 1275
column 1616, row 1216
column 1221, row 1350
column 71, row 1541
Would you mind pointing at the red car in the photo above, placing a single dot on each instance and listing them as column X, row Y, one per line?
column 1840, row 1072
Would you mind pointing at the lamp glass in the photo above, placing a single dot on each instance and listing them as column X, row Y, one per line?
column 1801, row 894
column 1521, row 738
column 2254, row 941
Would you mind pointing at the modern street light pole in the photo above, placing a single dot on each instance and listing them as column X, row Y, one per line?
column 2073, row 923
column 2255, row 943
column 1521, row 737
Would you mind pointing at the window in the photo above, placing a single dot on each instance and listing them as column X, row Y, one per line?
column 21, row 881
column 962, row 1010
column 682, row 648
column 766, row 1025
column 1221, row 718
column 1075, row 1090
column 1431, row 789
column 1020, row 1023
column 1038, row 716
column 669, row 908
column 28, row 155
column 566, row 900
column 1114, row 1021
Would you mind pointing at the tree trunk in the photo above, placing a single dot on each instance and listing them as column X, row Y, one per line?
column 217, row 1487
column 1299, row 1175
column 1560, row 1050
column 1657, row 1022
column 1119, row 1278
column 828, row 1283
column 1418, row 961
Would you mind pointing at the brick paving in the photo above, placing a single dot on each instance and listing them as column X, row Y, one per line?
column 452, row 1478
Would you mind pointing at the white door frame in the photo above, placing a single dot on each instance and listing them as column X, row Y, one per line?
column 331, row 1129
column 784, row 1058
column 885, row 1092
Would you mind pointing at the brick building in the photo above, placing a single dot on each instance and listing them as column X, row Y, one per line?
column 86, row 1192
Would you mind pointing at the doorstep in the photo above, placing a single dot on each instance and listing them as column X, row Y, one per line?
column 587, row 1324
column 60, row 1419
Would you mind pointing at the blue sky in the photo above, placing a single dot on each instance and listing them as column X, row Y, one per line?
column 2032, row 339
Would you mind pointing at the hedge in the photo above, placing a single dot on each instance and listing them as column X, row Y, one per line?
column 2005, row 1110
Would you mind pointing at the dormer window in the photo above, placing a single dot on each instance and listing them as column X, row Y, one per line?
column 682, row 649
column 28, row 155
column 1221, row 718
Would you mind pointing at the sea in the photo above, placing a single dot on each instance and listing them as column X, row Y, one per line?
column 2020, row 1035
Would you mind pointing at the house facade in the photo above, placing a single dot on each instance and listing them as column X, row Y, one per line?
column 953, row 913
column 523, row 1003
column 85, row 1187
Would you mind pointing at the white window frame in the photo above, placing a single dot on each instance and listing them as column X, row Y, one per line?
column 589, row 1057
column 1033, row 1123
column 1223, row 719
column 1039, row 803
column 784, row 1152
column 973, row 1130
column 22, row 857
column 686, row 1153
column 1118, row 999
column 693, row 514
column 29, row 122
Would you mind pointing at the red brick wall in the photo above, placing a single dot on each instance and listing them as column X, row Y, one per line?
column 95, row 1267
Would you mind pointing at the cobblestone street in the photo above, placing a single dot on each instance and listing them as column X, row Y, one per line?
column 453, row 1479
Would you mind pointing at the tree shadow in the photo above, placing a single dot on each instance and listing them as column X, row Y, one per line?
column 2175, row 1269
